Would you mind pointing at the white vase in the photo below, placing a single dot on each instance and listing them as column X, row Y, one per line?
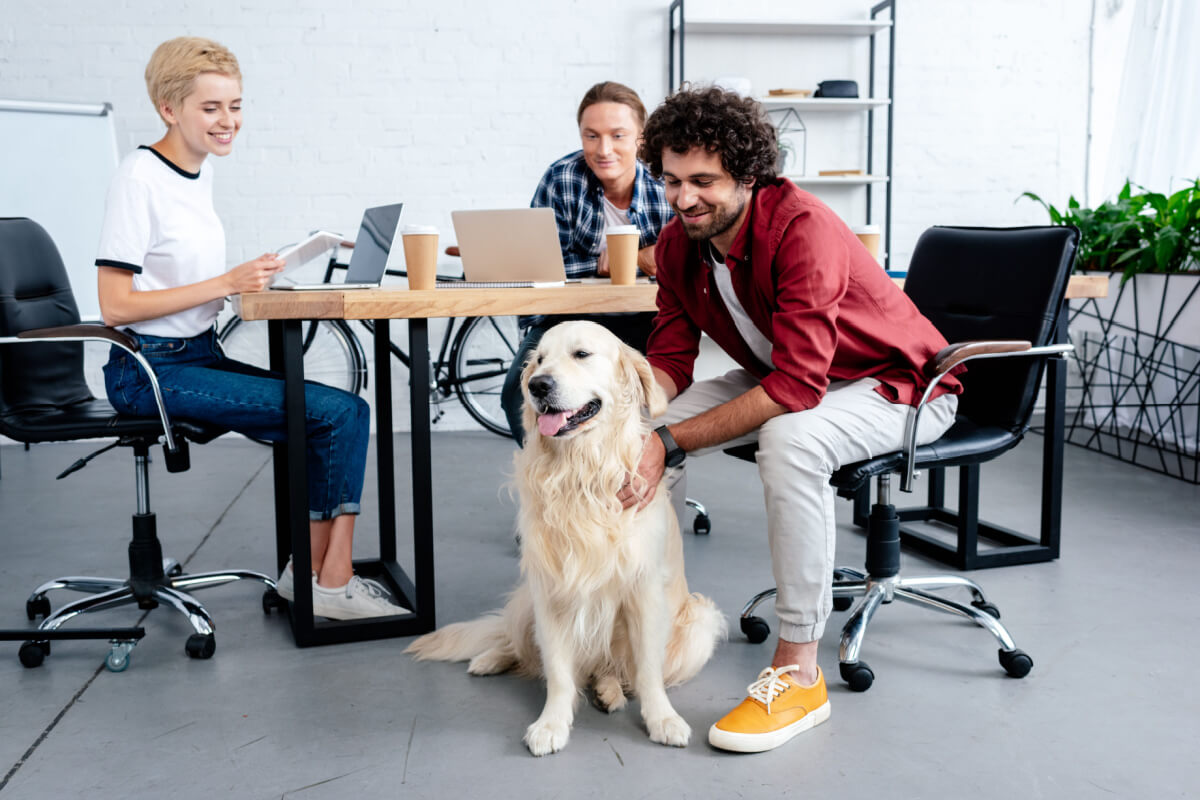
column 1136, row 371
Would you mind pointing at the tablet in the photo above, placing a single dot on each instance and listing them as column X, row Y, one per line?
column 314, row 246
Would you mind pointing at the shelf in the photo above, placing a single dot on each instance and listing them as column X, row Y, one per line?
column 836, row 180
column 854, row 27
column 823, row 103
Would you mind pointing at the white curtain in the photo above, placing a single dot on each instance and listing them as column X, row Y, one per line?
column 1153, row 128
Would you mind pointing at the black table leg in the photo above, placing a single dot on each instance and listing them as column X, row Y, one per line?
column 291, row 495
column 422, row 464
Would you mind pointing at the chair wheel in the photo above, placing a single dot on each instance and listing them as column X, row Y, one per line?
column 987, row 608
column 271, row 601
column 37, row 607
column 858, row 676
column 175, row 571
column 119, row 657
column 842, row 603
column 1016, row 663
column 701, row 525
column 756, row 629
column 200, row 645
column 32, row 654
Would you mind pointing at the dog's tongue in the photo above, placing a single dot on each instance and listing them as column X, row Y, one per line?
column 550, row 424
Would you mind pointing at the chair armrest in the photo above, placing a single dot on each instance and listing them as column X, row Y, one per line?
column 102, row 333
column 950, row 357
column 84, row 333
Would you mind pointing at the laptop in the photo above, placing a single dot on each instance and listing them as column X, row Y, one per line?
column 371, row 249
column 508, row 248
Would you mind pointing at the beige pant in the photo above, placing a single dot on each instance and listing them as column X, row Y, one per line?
column 797, row 454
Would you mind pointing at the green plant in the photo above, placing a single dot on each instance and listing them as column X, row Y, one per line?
column 787, row 154
column 1137, row 232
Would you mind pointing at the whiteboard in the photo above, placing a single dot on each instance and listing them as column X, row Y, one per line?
column 55, row 167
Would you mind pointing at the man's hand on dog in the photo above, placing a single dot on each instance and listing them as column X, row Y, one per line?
column 639, row 490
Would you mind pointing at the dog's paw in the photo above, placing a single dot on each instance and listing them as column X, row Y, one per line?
column 670, row 730
column 491, row 662
column 543, row 738
column 610, row 696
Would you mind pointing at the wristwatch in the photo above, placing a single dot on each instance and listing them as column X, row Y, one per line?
column 675, row 454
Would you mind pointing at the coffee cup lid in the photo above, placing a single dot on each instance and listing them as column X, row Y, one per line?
column 866, row 229
column 617, row 229
column 418, row 229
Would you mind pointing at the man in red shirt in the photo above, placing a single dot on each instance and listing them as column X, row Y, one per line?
column 831, row 354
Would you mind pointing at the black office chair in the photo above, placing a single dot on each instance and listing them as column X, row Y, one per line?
column 44, row 398
column 998, row 293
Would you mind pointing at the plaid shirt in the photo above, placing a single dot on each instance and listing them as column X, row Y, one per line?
column 575, row 194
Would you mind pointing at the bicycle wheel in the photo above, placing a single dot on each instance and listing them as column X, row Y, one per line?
column 482, row 352
column 334, row 357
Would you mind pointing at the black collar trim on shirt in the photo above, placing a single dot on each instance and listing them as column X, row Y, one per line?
column 189, row 175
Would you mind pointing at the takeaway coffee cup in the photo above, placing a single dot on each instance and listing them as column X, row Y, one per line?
column 869, row 236
column 622, row 253
column 420, row 255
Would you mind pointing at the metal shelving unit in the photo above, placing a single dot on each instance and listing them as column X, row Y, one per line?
column 881, row 22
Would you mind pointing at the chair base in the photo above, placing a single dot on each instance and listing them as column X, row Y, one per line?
column 172, row 590
column 850, row 583
column 880, row 585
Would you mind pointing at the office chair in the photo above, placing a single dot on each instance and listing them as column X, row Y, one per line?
column 998, row 293
column 44, row 398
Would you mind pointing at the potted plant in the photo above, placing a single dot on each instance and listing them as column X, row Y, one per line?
column 1135, row 390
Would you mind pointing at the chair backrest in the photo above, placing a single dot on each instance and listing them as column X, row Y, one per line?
column 35, row 293
column 994, row 283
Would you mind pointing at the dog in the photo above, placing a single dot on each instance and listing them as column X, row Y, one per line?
column 602, row 597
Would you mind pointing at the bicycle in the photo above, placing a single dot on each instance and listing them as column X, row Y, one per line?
column 472, row 361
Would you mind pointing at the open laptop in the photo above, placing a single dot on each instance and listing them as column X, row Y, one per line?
column 371, row 249
column 507, row 248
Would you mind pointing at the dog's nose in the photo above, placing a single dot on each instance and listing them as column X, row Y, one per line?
column 540, row 386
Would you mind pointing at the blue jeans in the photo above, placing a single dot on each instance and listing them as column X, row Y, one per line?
column 199, row 383
column 632, row 329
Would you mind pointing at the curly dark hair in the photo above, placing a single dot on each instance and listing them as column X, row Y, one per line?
column 719, row 121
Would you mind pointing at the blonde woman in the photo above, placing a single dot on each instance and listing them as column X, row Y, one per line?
column 163, row 279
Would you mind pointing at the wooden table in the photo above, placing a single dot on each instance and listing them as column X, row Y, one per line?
column 286, row 310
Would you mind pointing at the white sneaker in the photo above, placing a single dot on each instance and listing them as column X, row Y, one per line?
column 286, row 585
column 359, row 599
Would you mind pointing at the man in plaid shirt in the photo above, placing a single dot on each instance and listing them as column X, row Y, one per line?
column 599, row 186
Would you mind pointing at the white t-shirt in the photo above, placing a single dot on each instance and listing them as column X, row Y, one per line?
column 159, row 223
column 613, row 217
column 759, row 345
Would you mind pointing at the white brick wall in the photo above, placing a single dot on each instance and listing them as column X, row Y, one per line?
column 462, row 104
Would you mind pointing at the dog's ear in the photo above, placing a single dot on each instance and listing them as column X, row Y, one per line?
column 528, row 415
column 641, row 380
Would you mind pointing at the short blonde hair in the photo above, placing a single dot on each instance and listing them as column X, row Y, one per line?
column 173, row 68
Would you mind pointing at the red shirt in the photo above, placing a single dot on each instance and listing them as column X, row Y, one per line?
column 830, row 312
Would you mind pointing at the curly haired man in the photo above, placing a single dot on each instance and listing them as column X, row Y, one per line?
column 831, row 356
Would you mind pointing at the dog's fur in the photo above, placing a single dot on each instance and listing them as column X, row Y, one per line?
column 603, row 595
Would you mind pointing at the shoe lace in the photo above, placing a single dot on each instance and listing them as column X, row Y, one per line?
column 370, row 587
column 770, row 684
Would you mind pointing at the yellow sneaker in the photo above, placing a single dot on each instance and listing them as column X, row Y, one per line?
column 777, row 709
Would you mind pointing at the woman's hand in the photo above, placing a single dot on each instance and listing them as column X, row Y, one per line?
column 254, row 276
column 602, row 264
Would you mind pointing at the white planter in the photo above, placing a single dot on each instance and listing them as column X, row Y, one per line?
column 1135, row 379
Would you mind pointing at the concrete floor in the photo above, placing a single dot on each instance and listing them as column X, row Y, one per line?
column 1110, row 709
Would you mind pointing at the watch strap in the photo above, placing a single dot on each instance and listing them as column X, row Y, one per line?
column 675, row 454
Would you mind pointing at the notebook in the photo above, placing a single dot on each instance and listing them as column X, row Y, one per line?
column 508, row 248
column 371, row 249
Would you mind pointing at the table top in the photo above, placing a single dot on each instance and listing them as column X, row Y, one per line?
column 592, row 295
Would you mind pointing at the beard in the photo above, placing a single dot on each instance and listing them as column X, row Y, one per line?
column 722, row 219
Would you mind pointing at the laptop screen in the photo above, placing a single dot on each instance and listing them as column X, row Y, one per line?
column 374, row 243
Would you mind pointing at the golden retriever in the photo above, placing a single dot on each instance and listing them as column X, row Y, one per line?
column 603, row 597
